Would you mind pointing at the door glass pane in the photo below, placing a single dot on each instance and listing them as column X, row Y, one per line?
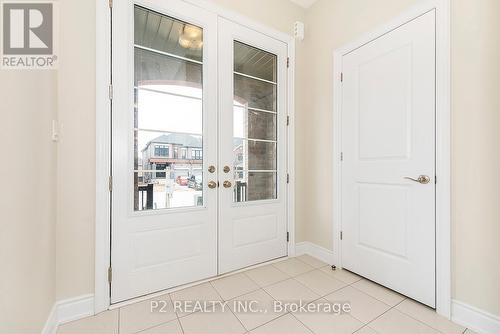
column 254, row 186
column 168, row 113
column 254, row 124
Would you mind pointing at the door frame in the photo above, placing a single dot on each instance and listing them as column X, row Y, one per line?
column 103, row 80
column 443, row 140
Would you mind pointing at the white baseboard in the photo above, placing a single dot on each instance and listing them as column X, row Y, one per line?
column 314, row 250
column 475, row 319
column 68, row 310
column 51, row 323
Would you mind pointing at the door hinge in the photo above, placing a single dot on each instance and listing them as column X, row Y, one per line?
column 340, row 235
column 287, row 178
column 110, row 274
column 287, row 62
column 341, row 77
column 110, row 92
column 287, row 120
column 341, row 156
column 110, row 3
column 110, row 183
column 287, row 236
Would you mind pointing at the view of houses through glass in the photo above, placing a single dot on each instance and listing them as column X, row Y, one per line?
column 168, row 134
column 168, row 116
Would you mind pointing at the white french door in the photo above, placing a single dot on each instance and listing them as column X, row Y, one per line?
column 388, row 168
column 189, row 99
column 252, row 207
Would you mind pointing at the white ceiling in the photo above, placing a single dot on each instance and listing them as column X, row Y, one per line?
column 304, row 3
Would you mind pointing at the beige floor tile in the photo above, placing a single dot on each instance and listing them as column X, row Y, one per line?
column 365, row 330
column 266, row 275
column 363, row 307
column 341, row 275
column 325, row 322
column 470, row 331
column 216, row 322
column 146, row 314
column 429, row 317
column 293, row 267
column 379, row 292
column 395, row 322
column 286, row 324
column 103, row 323
column 204, row 292
column 234, row 286
column 312, row 261
column 172, row 327
column 291, row 290
column 259, row 309
column 320, row 282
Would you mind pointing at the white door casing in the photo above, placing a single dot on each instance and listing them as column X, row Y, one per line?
column 388, row 133
column 158, row 249
column 250, row 232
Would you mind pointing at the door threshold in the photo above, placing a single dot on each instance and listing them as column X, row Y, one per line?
column 191, row 284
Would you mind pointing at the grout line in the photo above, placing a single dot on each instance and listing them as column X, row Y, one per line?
column 246, row 293
column 303, row 324
column 267, row 322
column 404, row 297
column 180, row 324
column 158, row 325
column 234, row 315
column 418, row 320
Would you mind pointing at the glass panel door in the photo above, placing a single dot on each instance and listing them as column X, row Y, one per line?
column 164, row 138
column 168, row 112
column 252, row 132
column 254, row 123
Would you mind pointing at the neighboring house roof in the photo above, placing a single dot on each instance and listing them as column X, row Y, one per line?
column 177, row 139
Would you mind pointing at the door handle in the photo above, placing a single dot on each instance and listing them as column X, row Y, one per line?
column 422, row 179
column 227, row 184
column 212, row 184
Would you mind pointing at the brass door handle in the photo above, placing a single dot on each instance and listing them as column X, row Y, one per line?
column 227, row 184
column 226, row 169
column 422, row 179
column 211, row 169
column 212, row 184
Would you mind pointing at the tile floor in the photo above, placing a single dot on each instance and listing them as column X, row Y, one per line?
column 374, row 309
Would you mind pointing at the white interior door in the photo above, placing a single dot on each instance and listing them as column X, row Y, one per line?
column 164, row 138
column 388, row 134
column 252, row 142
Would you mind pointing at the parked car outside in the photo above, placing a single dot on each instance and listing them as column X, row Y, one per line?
column 182, row 180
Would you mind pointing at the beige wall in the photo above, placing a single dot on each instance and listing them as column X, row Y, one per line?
column 76, row 150
column 27, row 200
column 329, row 24
column 279, row 14
column 476, row 152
